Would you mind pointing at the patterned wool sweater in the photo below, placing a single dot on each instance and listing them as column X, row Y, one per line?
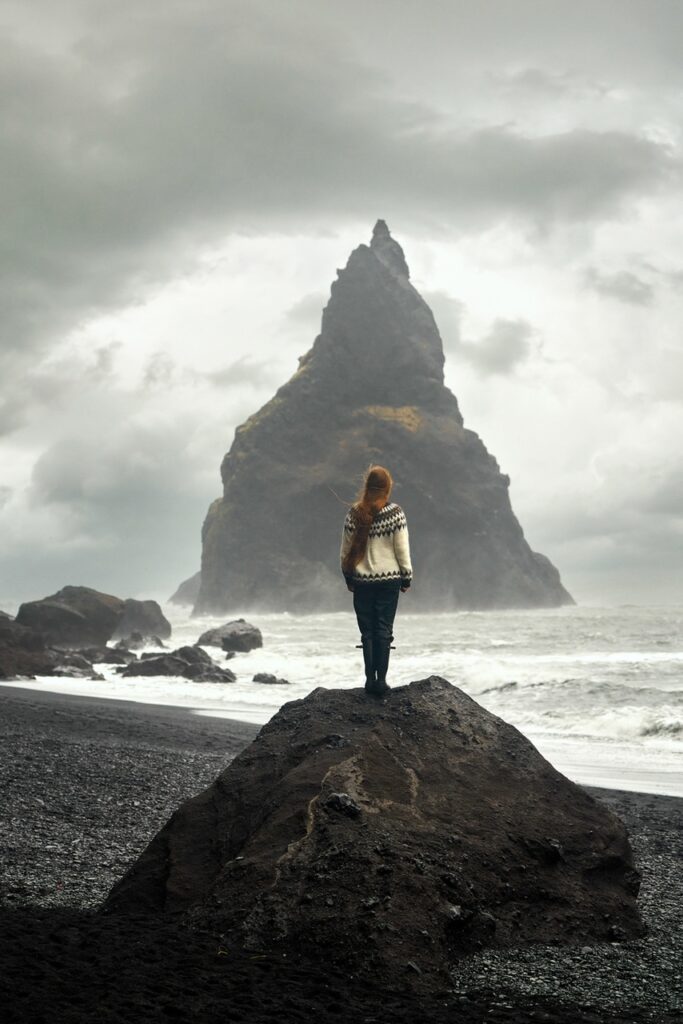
column 388, row 552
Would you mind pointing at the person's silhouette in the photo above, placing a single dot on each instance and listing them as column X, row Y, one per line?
column 375, row 561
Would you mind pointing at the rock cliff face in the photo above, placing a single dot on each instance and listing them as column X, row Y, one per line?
column 371, row 389
column 390, row 837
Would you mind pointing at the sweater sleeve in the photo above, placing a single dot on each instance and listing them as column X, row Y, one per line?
column 346, row 538
column 402, row 551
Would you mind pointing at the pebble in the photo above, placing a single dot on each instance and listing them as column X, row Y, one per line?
column 77, row 812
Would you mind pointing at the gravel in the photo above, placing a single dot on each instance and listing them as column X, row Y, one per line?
column 646, row 973
column 89, row 782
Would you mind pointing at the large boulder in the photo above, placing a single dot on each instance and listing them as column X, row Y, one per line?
column 269, row 679
column 237, row 635
column 144, row 617
column 25, row 653
column 371, row 389
column 389, row 837
column 190, row 661
column 118, row 655
column 73, row 617
column 75, row 665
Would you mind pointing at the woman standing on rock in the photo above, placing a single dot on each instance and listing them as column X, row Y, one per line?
column 375, row 561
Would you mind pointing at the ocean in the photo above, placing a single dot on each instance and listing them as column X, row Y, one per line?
column 599, row 691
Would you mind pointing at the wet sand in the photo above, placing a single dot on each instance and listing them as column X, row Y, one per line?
column 86, row 784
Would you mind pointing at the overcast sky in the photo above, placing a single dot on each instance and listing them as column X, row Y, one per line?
column 181, row 181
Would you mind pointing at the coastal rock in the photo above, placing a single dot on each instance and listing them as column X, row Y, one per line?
column 118, row 655
column 269, row 679
column 187, row 592
column 73, row 617
column 141, row 617
column 135, row 640
column 372, row 834
column 75, row 665
column 23, row 651
column 5, row 615
column 191, row 662
column 237, row 635
column 371, row 389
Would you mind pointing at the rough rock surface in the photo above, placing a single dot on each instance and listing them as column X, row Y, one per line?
column 75, row 665
column 136, row 640
column 24, row 652
column 144, row 617
column 269, row 679
column 237, row 635
column 392, row 836
column 190, row 661
column 73, row 616
column 78, row 616
column 188, row 591
column 118, row 655
column 371, row 389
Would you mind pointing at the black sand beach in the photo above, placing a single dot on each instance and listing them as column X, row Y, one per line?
column 87, row 782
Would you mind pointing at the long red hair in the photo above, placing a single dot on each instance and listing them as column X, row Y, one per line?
column 373, row 495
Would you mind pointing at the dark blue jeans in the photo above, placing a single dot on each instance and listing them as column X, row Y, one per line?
column 375, row 607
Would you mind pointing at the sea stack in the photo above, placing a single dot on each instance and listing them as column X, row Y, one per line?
column 371, row 389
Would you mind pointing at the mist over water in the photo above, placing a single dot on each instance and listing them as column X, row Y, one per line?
column 598, row 690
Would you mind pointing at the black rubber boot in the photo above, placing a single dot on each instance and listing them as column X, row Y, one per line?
column 382, row 652
column 368, row 658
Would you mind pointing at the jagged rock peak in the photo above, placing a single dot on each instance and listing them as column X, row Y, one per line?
column 371, row 388
column 388, row 250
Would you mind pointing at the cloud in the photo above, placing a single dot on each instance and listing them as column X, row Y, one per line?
column 448, row 313
column 136, row 138
column 540, row 83
column 502, row 349
column 506, row 345
column 54, row 383
column 664, row 496
column 307, row 311
column 154, row 134
column 623, row 285
column 258, row 373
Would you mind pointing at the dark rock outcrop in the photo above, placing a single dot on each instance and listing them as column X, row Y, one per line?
column 118, row 655
column 188, row 591
column 191, row 662
column 77, row 616
column 269, row 679
column 24, row 652
column 371, row 389
column 144, row 617
column 75, row 665
column 74, row 616
column 235, row 636
column 375, row 835
column 135, row 640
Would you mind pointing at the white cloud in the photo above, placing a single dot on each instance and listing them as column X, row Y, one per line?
column 181, row 183
column 623, row 285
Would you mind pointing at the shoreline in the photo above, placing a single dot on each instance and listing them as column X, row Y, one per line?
column 98, row 711
column 583, row 765
column 91, row 780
